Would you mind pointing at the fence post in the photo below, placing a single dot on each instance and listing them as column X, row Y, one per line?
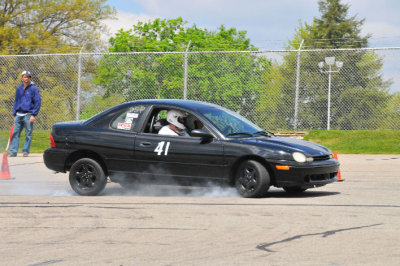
column 296, row 100
column 78, row 97
column 185, row 72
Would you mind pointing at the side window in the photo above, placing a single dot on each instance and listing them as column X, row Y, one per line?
column 127, row 119
column 157, row 121
column 192, row 122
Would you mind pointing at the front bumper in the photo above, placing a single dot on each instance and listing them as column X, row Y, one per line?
column 307, row 175
column 55, row 159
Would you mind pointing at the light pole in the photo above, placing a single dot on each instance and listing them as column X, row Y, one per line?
column 185, row 72
column 330, row 61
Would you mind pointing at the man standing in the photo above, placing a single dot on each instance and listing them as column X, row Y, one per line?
column 26, row 108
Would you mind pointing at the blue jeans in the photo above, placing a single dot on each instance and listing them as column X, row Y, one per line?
column 20, row 123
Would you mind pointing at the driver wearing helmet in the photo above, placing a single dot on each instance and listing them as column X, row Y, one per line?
column 176, row 127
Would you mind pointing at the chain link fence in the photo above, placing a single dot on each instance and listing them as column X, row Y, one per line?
column 278, row 90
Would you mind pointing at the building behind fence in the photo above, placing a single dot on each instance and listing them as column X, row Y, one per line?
column 278, row 90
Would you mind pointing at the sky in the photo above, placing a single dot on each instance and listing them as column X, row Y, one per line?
column 270, row 24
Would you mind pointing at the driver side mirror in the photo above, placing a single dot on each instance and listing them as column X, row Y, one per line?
column 201, row 133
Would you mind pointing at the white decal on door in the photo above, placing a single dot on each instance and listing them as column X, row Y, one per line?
column 160, row 148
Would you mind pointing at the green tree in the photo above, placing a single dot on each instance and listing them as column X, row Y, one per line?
column 355, row 90
column 231, row 79
column 162, row 35
column 335, row 29
column 393, row 113
column 99, row 103
column 48, row 26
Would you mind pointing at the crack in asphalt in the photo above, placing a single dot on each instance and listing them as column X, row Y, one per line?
column 107, row 228
column 264, row 247
column 18, row 164
column 46, row 262
column 41, row 206
column 111, row 207
column 98, row 204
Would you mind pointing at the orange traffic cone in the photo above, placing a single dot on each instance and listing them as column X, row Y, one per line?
column 339, row 176
column 5, row 171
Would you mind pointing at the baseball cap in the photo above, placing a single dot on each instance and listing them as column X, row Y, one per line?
column 25, row 72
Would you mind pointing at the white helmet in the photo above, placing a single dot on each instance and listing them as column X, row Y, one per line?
column 173, row 118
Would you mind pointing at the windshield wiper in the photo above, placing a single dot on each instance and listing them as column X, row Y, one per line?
column 239, row 133
column 269, row 134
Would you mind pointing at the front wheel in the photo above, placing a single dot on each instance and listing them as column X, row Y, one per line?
column 252, row 179
column 87, row 177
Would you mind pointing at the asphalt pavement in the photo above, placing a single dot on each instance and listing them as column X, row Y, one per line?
column 354, row 222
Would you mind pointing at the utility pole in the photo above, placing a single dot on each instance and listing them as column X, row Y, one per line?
column 296, row 100
column 186, row 72
column 78, row 101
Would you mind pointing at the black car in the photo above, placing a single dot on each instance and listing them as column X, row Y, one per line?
column 123, row 143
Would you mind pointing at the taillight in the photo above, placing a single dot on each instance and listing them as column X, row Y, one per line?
column 52, row 143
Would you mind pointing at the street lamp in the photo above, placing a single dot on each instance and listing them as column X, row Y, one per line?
column 330, row 61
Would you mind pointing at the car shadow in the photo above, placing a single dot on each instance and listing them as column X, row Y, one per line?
column 305, row 194
column 173, row 190
column 170, row 190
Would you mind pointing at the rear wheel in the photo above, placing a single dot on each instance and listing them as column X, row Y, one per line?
column 252, row 179
column 87, row 177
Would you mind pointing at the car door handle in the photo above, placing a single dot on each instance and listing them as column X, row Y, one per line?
column 145, row 144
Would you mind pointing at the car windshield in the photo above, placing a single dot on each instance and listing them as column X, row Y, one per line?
column 229, row 123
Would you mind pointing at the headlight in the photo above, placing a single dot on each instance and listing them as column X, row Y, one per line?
column 299, row 157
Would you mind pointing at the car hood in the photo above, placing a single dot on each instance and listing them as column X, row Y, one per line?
column 289, row 145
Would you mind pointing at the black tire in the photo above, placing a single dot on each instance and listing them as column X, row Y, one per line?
column 252, row 179
column 87, row 177
column 294, row 190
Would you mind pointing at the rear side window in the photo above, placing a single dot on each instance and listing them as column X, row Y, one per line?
column 126, row 120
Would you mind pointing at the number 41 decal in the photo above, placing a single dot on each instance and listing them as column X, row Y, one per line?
column 160, row 148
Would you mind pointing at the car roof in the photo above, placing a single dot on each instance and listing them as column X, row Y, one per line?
column 187, row 104
column 168, row 103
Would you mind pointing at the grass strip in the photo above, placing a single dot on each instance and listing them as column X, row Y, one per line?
column 40, row 140
column 341, row 141
column 358, row 141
